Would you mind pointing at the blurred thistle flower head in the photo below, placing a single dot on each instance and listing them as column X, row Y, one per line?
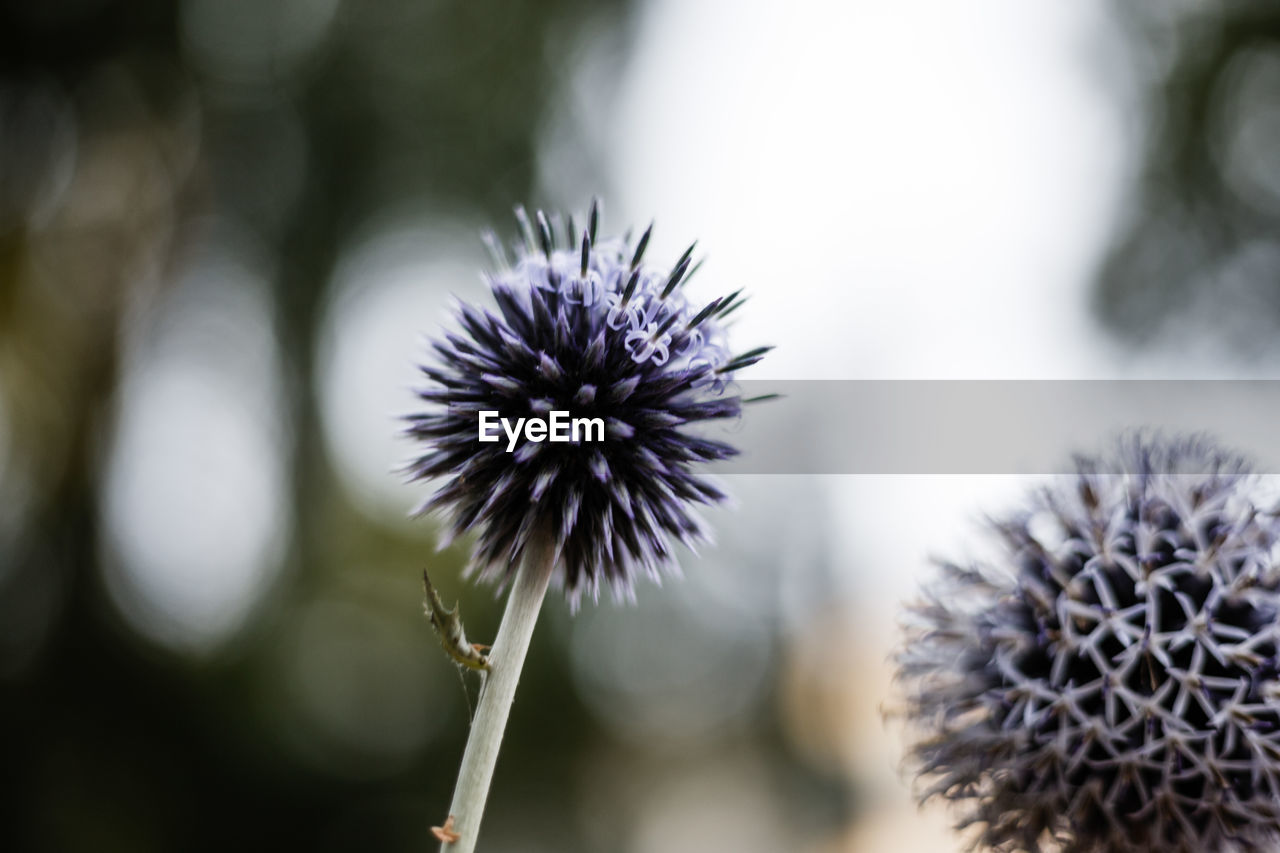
column 582, row 325
column 1109, row 682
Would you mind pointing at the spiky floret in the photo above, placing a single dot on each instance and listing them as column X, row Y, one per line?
column 1109, row 682
column 586, row 326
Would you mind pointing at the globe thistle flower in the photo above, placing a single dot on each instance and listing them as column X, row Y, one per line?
column 1109, row 681
column 580, row 324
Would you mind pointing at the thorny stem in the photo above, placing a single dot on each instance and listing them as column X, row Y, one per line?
column 505, row 662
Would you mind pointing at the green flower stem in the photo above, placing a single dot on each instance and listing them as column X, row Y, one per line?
column 505, row 662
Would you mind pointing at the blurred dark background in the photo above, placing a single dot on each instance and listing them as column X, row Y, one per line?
column 210, row 628
column 1199, row 249
column 205, row 642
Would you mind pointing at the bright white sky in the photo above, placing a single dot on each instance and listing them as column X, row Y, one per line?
column 914, row 189
column 911, row 189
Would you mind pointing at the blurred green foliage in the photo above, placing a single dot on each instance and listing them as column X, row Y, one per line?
column 123, row 125
column 1199, row 252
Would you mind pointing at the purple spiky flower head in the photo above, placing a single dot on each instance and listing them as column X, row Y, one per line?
column 1109, row 680
column 581, row 325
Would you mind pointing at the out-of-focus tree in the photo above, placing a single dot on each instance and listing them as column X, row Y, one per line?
column 1199, row 252
column 129, row 130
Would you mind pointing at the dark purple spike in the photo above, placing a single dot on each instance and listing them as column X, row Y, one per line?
column 747, row 359
column 544, row 234
column 726, row 310
column 630, row 289
column 593, row 219
column 728, row 301
column 706, row 312
column 593, row 357
column 664, row 325
column 688, row 254
column 641, row 246
column 673, row 281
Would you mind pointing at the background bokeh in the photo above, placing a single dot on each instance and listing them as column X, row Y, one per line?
column 226, row 224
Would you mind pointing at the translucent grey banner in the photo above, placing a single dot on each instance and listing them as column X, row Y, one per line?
column 987, row 427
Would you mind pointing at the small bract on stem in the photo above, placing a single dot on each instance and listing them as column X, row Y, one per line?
column 506, row 660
